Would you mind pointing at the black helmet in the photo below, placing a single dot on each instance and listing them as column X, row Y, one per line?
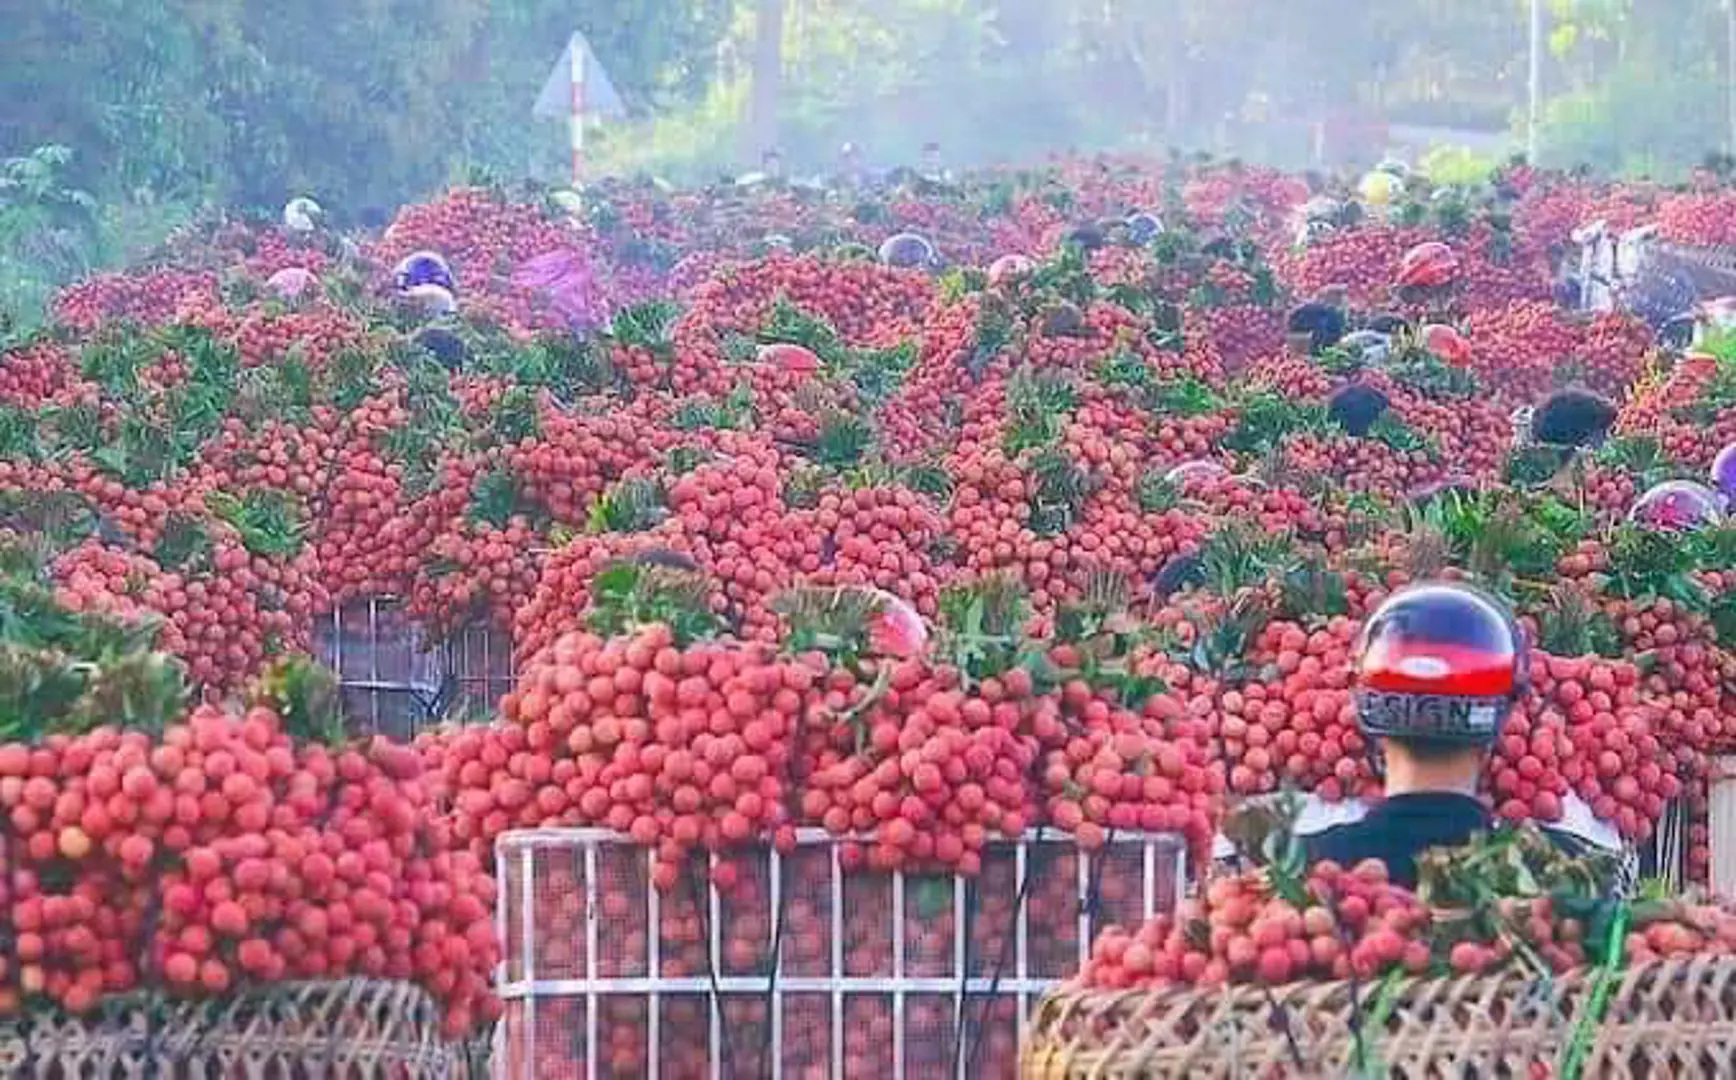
column 1323, row 323
column 1573, row 417
column 1440, row 662
column 1355, row 408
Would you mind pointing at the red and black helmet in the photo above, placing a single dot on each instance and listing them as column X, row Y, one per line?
column 1429, row 265
column 1441, row 661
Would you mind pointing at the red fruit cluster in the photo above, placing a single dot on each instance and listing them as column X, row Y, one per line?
column 1299, row 727
column 1686, row 930
column 42, row 373
column 939, row 773
column 677, row 749
column 486, row 239
column 223, row 618
column 1698, row 218
column 1350, row 922
column 1128, row 773
column 147, row 299
column 225, row 853
column 1524, row 350
column 1528, row 775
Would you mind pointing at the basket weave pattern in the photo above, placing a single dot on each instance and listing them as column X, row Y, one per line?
column 1672, row 1019
column 356, row 1030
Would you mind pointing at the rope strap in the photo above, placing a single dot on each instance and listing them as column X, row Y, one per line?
column 1591, row 1018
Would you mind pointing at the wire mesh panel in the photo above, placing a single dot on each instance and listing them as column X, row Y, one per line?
column 1666, row 855
column 807, row 968
column 396, row 682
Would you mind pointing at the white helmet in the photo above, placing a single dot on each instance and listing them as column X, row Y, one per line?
column 434, row 301
column 569, row 201
column 302, row 215
column 1312, row 230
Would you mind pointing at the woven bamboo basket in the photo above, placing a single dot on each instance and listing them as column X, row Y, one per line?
column 353, row 1030
column 1673, row 1019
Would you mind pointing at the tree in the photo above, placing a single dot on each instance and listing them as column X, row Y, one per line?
column 768, row 75
column 121, row 83
column 360, row 101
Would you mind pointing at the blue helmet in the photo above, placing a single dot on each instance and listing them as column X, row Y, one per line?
column 1144, row 227
column 906, row 251
column 424, row 268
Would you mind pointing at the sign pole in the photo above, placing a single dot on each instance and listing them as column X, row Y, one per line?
column 1534, row 110
column 576, row 54
column 1730, row 69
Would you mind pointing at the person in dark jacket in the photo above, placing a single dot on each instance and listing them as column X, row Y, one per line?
column 1322, row 320
column 1439, row 670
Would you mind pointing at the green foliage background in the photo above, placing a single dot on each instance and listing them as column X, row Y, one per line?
column 170, row 106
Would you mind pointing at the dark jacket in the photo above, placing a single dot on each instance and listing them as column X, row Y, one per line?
column 1403, row 826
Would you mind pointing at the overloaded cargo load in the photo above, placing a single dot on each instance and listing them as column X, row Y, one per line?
column 1671, row 285
column 779, row 547
column 810, row 963
column 1510, row 958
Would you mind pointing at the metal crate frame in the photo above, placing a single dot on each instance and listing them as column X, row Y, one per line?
column 839, row 986
column 393, row 682
column 1664, row 856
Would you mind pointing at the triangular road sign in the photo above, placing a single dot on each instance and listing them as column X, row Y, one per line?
column 556, row 99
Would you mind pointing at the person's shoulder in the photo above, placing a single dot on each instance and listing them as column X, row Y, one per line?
column 1336, row 842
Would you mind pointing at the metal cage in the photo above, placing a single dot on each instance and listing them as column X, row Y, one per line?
column 808, row 968
column 395, row 681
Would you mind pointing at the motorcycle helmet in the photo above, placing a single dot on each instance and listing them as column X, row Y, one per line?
column 302, row 215
column 1356, row 407
column 1379, row 188
column 1573, row 417
column 895, row 629
column 1440, row 662
column 292, row 283
column 1677, row 506
column 1323, row 323
column 1448, row 344
column 1724, row 475
column 1144, row 227
column 1429, row 265
column 424, row 268
column 906, row 251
